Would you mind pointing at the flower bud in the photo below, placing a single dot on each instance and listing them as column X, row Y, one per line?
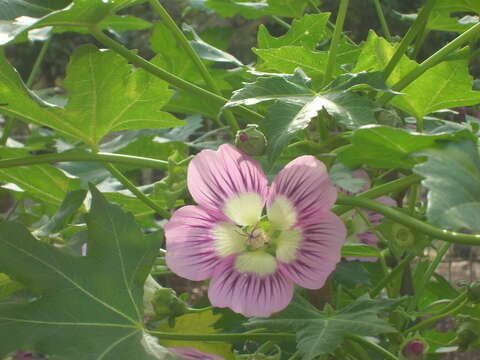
column 413, row 349
column 166, row 303
column 251, row 140
column 403, row 237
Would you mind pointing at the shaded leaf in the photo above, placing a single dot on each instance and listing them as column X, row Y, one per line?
column 100, row 295
column 43, row 183
column 452, row 176
column 320, row 333
column 12, row 9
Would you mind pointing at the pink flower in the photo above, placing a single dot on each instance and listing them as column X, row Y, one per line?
column 193, row 354
column 254, row 260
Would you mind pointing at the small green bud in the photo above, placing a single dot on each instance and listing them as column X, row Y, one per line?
column 403, row 237
column 166, row 303
column 251, row 140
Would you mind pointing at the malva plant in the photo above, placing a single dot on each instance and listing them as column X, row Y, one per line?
column 319, row 235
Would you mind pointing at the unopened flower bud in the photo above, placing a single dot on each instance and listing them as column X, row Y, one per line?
column 251, row 140
column 413, row 349
column 166, row 303
column 403, row 237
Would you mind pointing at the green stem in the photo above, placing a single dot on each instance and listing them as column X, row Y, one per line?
column 281, row 22
column 85, row 156
column 433, row 266
column 224, row 337
column 135, row 191
column 214, row 99
column 337, row 33
column 421, row 37
column 383, row 21
column 10, row 123
column 394, row 273
column 410, row 222
column 182, row 39
column 455, row 306
column 376, row 192
column 385, row 354
column 430, row 62
column 420, row 21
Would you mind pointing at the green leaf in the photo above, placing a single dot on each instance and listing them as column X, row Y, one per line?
column 12, row 9
column 43, row 183
column 72, row 202
column 452, row 176
column 8, row 287
column 105, row 95
column 375, row 55
column 288, row 58
column 198, row 323
column 306, row 32
column 297, row 104
column 86, row 307
column 452, row 88
column 209, row 52
column 387, row 147
column 256, row 9
column 79, row 15
column 321, row 333
column 343, row 177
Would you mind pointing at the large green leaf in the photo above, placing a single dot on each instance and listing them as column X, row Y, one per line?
column 297, row 104
column 387, row 147
column 452, row 176
column 105, row 95
column 86, row 307
column 446, row 85
column 307, row 32
column 321, row 333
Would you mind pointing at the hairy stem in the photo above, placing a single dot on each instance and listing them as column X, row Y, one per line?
column 410, row 222
column 414, row 30
column 383, row 21
column 182, row 39
column 337, row 33
column 85, row 156
column 376, row 192
column 135, row 191
column 454, row 307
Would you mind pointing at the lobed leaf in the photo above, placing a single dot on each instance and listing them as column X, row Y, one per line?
column 86, row 307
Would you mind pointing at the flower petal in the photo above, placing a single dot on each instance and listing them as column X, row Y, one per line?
column 215, row 177
column 318, row 253
column 190, row 239
column 248, row 293
column 306, row 185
